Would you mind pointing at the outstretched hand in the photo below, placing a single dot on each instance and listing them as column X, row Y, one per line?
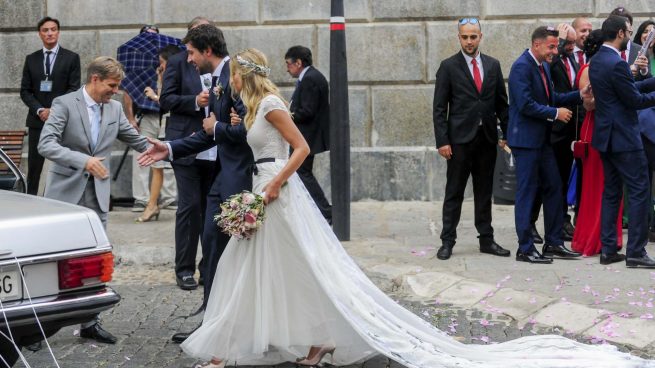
column 156, row 152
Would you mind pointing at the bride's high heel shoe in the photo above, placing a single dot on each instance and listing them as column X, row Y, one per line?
column 318, row 357
column 148, row 215
column 212, row 365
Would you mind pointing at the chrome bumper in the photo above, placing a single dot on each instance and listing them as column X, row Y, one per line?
column 73, row 306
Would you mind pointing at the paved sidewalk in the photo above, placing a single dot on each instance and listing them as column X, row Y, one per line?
column 395, row 244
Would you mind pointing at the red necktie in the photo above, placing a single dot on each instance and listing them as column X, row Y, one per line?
column 543, row 78
column 623, row 56
column 580, row 58
column 476, row 75
column 568, row 68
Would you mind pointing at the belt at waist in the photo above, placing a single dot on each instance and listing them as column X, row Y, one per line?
column 261, row 161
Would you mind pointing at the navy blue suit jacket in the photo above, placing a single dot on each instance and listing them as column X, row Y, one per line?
column 181, row 84
column 531, row 112
column 235, row 159
column 618, row 97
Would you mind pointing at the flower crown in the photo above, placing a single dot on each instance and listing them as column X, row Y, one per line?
column 264, row 71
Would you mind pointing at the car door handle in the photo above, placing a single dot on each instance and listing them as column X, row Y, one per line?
column 5, row 252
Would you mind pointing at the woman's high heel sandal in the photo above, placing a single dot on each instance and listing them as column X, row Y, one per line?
column 211, row 365
column 318, row 357
column 148, row 215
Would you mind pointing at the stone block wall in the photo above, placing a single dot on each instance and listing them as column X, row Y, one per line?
column 394, row 51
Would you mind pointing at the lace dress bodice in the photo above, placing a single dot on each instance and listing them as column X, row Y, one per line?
column 264, row 140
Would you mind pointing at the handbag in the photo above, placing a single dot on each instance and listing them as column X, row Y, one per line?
column 580, row 149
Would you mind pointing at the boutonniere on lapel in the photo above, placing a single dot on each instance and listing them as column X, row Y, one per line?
column 218, row 90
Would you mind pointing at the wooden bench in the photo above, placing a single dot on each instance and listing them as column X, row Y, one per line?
column 11, row 142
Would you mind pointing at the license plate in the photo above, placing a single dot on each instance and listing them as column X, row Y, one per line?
column 10, row 285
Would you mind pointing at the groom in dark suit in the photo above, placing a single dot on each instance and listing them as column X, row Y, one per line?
column 618, row 139
column 310, row 109
column 469, row 102
column 532, row 113
column 47, row 74
column 207, row 51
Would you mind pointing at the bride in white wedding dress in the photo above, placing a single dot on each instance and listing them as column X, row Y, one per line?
column 292, row 288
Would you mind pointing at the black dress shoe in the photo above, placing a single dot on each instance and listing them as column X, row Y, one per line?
column 179, row 337
column 532, row 257
column 493, row 248
column 97, row 333
column 559, row 251
column 536, row 238
column 645, row 262
column 186, row 282
column 606, row 259
column 445, row 252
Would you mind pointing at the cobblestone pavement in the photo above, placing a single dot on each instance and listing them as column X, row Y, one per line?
column 153, row 309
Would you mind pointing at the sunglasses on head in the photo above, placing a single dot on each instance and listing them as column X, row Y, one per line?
column 464, row 21
column 148, row 27
column 551, row 31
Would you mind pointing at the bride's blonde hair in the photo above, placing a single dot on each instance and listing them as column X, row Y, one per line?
column 252, row 66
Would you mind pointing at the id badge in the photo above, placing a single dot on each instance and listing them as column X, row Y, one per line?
column 46, row 86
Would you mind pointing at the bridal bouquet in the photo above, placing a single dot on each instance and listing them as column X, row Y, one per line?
column 241, row 215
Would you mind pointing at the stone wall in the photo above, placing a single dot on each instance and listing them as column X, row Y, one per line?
column 394, row 50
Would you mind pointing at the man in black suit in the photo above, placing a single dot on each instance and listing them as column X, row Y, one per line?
column 563, row 71
column 469, row 101
column 48, row 73
column 183, row 95
column 310, row 108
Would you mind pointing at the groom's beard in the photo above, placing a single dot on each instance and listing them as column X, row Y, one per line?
column 205, row 67
column 624, row 44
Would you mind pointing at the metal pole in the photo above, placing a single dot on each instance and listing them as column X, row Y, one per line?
column 339, row 124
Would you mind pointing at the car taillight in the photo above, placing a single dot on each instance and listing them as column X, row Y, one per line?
column 84, row 271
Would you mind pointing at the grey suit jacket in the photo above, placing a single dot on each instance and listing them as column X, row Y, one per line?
column 65, row 140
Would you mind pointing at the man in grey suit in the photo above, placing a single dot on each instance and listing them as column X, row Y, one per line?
column 78, row 137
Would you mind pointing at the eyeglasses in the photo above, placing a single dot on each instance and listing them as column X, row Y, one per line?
column 464, row 21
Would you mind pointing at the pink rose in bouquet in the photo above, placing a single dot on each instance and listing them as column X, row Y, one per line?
column 241, row 215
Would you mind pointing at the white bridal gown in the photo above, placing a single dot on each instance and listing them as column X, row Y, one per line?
column 292, row 285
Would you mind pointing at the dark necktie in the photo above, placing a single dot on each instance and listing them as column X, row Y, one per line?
column 214, row 81
column 580, row 58
column 625, row 58
column 568, row 69
column 47, row 62
column 543, row 78
column 477, row 78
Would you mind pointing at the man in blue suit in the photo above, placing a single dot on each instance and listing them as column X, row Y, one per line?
column 207, row 51
column 617, row 137
column 532, row 113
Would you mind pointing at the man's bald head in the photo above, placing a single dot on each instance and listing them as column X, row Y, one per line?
column 582, row 27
